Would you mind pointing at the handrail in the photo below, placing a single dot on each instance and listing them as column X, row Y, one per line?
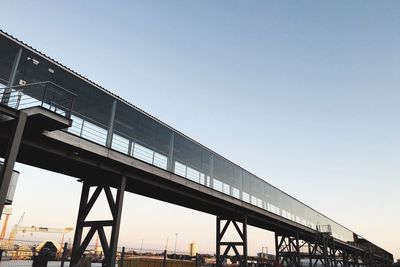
column 39, row 83
column 45, row 94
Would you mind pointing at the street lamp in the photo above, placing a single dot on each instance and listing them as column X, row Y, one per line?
column 176, row 239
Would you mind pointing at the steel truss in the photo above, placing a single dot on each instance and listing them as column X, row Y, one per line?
column 85, row 206
column 287, row 249
column 241, row 258
column 293, row 251
column 323, row 252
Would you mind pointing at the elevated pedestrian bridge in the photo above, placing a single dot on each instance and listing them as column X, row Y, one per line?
column 55, row 119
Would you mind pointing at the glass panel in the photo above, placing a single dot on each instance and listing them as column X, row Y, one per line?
column 236, row 192
column 193, row 175
column 120, row 143
column 180, row 169
column 143, row 153
column 160, row 160
column 94, row 133
column 191, row 154
column 217, row 185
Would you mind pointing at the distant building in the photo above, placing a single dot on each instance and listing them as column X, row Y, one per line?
column 193, row 249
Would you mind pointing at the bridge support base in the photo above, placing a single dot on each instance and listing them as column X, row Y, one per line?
column 240, row 258
column 291, row 250
column 86, row 204
column 287, row 250
column 322, row 251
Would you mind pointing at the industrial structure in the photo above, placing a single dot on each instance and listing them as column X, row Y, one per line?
column 53, row 118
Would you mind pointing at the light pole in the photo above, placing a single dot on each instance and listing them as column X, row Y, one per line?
column 176, row 239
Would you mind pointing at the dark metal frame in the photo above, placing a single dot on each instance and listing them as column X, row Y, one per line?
column 287, row 249
column 231, row 245
column 85, row 206
column 11, row 156
column 322, row 250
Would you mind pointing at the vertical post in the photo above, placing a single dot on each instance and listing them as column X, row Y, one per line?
column 122, row 257
column 79, row 223
column 64, row 254
column 10, row 157
column 111, row 124
column 11, row 80
column 212, row 171
column 44, row 95
column 171, row 153
column 244, row 241
column 277, row 248
column 82, row 125
column 298, row 248
column 218, row 241
column 130, row 148
column 117, row 221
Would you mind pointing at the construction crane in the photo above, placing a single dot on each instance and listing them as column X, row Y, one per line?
column 32, row 229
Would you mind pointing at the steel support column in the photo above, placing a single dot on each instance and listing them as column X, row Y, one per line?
column 322, row 251
column 11, row 157
column 85, row 206
column 287, row 249
column 111, row 124
column 241, row 258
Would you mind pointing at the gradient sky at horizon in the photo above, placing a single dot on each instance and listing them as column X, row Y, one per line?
column 304, row 94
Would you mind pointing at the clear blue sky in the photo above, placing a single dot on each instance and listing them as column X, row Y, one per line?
column 302, row 93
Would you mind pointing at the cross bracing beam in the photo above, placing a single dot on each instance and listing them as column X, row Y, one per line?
column 109, row 246
column 241, row 258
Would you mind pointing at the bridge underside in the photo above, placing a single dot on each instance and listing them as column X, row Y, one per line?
column 44, row 146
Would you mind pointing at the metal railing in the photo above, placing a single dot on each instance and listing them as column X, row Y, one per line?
column 44, row 94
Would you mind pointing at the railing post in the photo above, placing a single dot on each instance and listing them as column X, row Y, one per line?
column 44, row 94
column 170, row 165
column 111, row 124
column 52, row 102
column 71, row 107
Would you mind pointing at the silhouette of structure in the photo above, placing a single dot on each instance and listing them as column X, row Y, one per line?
column 55, row 119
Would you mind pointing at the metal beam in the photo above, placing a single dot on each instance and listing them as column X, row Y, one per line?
column 85, row 206
column 231, row 244
column 117, row 221
column 111, row 124
column 11, row 157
